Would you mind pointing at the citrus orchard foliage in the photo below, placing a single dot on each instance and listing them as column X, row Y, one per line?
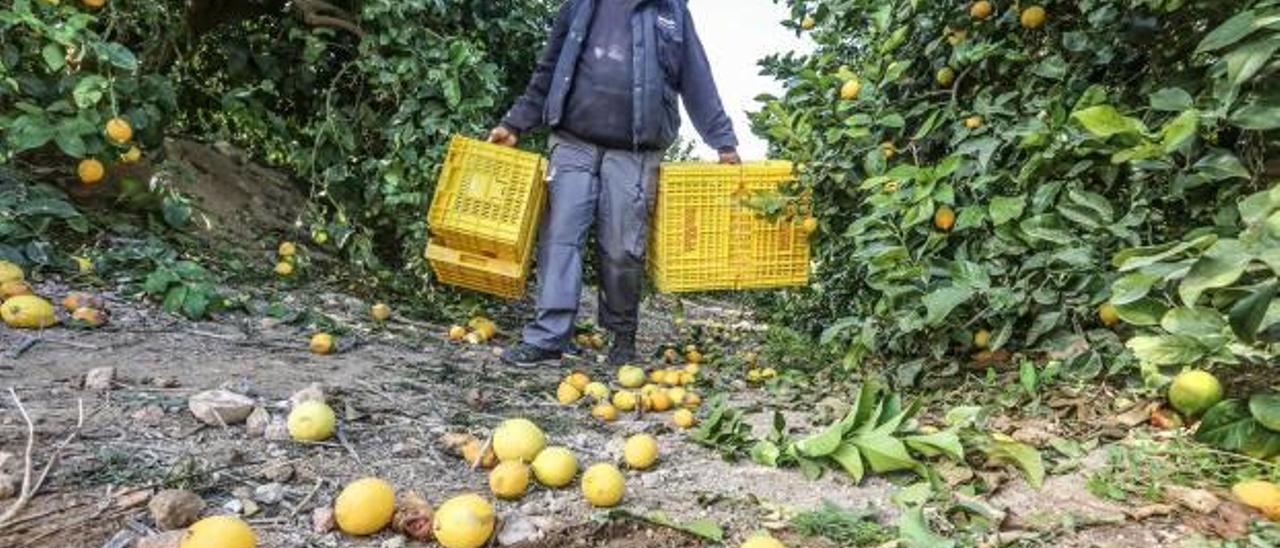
column 985, row 167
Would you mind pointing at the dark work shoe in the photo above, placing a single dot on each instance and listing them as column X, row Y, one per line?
column 623, row 351
column 572, row 349
column 525, row 355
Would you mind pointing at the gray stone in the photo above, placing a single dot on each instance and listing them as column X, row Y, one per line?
column 269, row 493
column 148, row 415
column 310, row 393
column 256, row 423
column 279, row 472
column 517, row 529
column 170, row 539
column 277, row 430
column 175, row 508
column 220, row 407
column 100, row 378
column 322, row 520
column 393, row 542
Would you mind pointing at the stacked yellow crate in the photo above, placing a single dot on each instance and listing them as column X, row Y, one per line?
column 484, row 216
column 705, row 238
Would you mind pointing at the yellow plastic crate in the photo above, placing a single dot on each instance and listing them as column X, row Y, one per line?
column 488, row 199
column 478, row 272
column 704, row 238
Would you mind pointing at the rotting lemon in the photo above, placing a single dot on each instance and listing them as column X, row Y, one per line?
column 509, row 480
column 219, row 532
column 603, row 485
column 27, row 312
column 312, row 421
column 555, row 467
column 518, row 439
column 364, row 506
column 464, row 521
column 15, row 288
column 692, row 401
column 640, row 451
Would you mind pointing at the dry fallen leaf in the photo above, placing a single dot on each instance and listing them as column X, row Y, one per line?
column 413, row 516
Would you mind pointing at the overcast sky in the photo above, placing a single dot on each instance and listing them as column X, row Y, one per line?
column 737, row 34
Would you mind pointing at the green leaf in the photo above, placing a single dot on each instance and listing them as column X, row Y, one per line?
column 1219, row 267
column 1227, row 425
column 176, row 212
column 1167, row 349
column 30, row 131
column 1256, row 117
column 1219, row 165
column 158, row 281
column 884, row 453
column 941, row 302
column 1004, row 209
column 1248, row 314
column 1245, row 61
column 945, row 442
column 175, row 299
column 849, row 459
column 1234, row 29
column 1194, row 322
column 118, row 55
column 914, row 531
column 1028, row 378
column 196, row 303
column 1145, row 311
column 54, row 58
column 765, row 453
column 1179, row 130
column 1265, row 409
column 89, row 91
column 823, row 443
column 1171, row 100
column 1023, row 456
column 1132, row 287
column 1104, row 121
column 704, row 528
column 1133, row 259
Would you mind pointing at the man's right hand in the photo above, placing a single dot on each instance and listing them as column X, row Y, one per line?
column 502, row 136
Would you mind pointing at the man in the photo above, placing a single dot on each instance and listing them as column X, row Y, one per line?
column 607, row 85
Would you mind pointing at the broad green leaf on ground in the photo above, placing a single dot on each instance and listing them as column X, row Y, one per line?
column 765, row 453
column 823, row 443
column 914, row 531
column 1220, row 266
column 849, row 459
column 1104, row 121
column 962, row 416
column 704, row 528
column 884, row 453
column 1265, row 408
column 1227, row 425
column 1167, row 349
column 1024, row 456
column 945, row 442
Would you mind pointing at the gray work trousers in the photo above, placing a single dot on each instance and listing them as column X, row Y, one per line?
column 615, row 191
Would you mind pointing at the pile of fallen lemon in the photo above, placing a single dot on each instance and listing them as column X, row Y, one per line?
column 24, row 309
column 660, row 391
column 477, row 331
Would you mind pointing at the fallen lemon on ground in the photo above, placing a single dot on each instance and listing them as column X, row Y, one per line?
column 1262, row 495
column 219, row 532
column 312, row 421
column 945, row 76
column 464, row 521
column 630, row 376
column 131, row 156
column 692, row 401
column 457, row 333
column 598, row 391
column 90, row 171
column 982, row 338
column 683, row 418
column 1194, row 391
column 605, row 412
column 973, row 122
column 578, row 380
column 518, row 439
column 364, row 506
column 322, row 344
column 509, row 480
column 10, row 272
column 555, row 467
column 640, row 451
column 660, row 401
column 27, row 312
column 15, row 288
column 88, row 317
column 624, row 400
column 566, row 394
column 603, row 485
column 763, row 541
column 380, row 312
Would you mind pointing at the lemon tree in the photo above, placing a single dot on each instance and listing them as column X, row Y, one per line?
column 992, row 164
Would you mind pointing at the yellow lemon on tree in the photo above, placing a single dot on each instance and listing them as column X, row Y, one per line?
column 597, row 390
column 119, row 130
column 763, row 540
column 980, row 10
column 944, row 218
column 578, row 380
column 465, row 521
column 603, row 485
column 284, row 268
column 364, row 506
column 945, row 76
column 519, row 440
column 380, row 312
column 94, row 3
column 605, row 412
column 28, row 312
column 640, row 451
column 312, row 421
column 509, row 480
column 624, row 400
column 683, row 418
column 1108, row 314
column 10, row 272
column 322, row 344
column 888, row 150
column 287, row 249
column 973, row 122
column 808, row 22
column 982, row 338
column 630, row 376
column 809, row 225
column 850, row 90
column 1193, row 392
column 90, row 171
column 131, row 156
column 1033, row 17
column 219, row 532
column 555, row 467
column 566, row 394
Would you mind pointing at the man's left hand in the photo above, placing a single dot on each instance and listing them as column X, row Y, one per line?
column 730, row 156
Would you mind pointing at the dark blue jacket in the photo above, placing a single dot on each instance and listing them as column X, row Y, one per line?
column 668, row 62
